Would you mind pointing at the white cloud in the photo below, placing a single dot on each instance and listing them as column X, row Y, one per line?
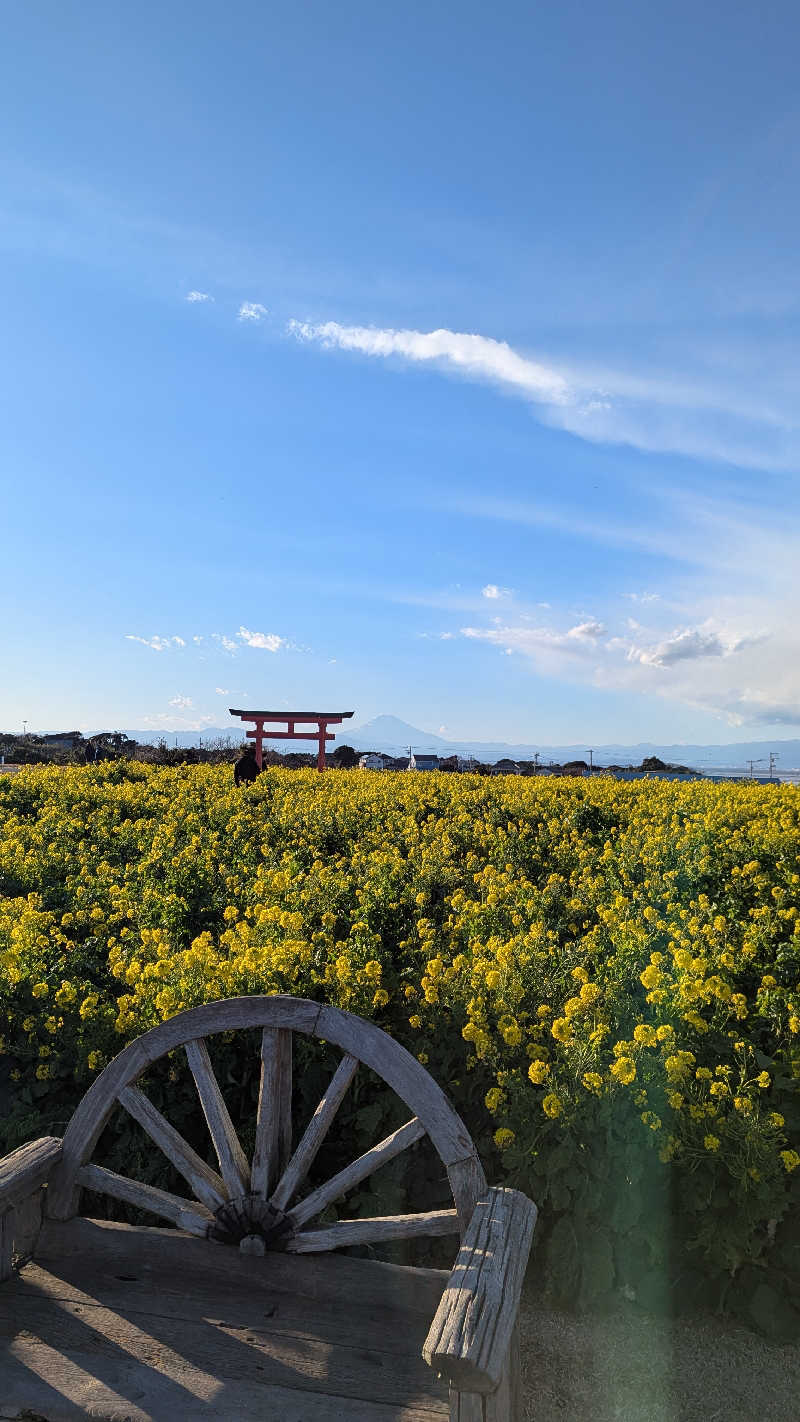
column 226, row 642
column 540, row 642
column 198, row 640
column 181, row 702
column 492, row 591
column 167, row 721
column 222, row 691
column 740, row 410
column 479, row 357
column 251, row 311
column 158, row 644
column 266, row 641
column 685, row 644
column 198, row 296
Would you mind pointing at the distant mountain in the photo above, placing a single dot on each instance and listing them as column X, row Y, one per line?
column 394, row 736
column 388, row 733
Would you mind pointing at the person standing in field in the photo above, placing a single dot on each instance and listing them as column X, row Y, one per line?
column 246, row 769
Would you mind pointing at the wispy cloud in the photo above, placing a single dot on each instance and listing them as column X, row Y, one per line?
column 198, row 296
column 158, row 644
column 266, row 641
column 480, row 357
column 700, row 412
column 222, row 690
column 181, row 702
column 492, row 591
column 252, row 311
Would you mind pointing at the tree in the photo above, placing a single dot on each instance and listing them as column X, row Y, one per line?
column 345, row 758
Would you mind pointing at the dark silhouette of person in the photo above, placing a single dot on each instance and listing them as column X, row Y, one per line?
column 245, row 771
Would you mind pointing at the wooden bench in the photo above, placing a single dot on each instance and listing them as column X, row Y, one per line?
column 134, row 1324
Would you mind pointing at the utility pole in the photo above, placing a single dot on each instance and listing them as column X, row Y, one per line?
column 24, row 728
column 591, row 761
column 772, row 759
column 751, row 763
column 536, row 762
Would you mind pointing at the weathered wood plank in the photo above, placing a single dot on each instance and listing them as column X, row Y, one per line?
column 400, row 1070
column 233, row 1162
column 358, row 1170
column 470, row 1336
column 315, row 1133
column 38, row 1380
column 467, row 1406
column 468, row 1184
column 7, row 1233
column 163, row 1259
column 273, row 1142
column 375, row 1230
column 83, row 1131
column 26, row 1170
column 205, row 1182
column 505, row 1405
column 186, row 1214
column 28, row 1223
column 207, row 1353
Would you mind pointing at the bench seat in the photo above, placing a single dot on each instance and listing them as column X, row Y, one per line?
column 134, row 1324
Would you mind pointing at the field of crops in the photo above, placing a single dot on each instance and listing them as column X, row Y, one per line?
column 606, row 977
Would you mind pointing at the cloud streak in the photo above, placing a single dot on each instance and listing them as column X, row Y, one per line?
column 478, row 357
column 707, row 416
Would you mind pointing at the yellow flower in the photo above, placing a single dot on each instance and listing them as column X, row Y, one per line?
column 494, row 1099
column 503, row 1138
column 763, row 1080
column 416, row 1023
column 592, row 1080
column 711, row 1142
column 776, row 1119
column 552, row 1106
column 790, row 1159
column 40, row 990
column 645, row 1034
column 561, row 1029
column 675, row 1100
column 624, row 1069
column 537, row 1072
column 380, row 998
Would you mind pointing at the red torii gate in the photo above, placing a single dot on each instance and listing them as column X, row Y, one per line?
column 321, row 719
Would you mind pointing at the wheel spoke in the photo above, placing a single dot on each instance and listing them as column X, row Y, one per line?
column 315, row 1133
column 273, row 1144
column 232, row 1159
column 358, row 1170
column 207, row 1185
column 186, row 1214
column 374, row 1231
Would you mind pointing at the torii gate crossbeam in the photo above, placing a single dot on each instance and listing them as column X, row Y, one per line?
column 318, row 731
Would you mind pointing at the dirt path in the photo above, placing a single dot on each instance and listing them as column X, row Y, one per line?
column 704, row 1369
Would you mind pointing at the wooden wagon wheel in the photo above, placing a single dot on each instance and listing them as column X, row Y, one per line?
column 258, row 1204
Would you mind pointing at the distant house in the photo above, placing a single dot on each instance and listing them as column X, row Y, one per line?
column 423, row 762
column 467, row 763
column 375, row 760
column 506, row 767
column 63, row 740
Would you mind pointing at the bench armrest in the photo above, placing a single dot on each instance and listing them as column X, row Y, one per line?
column 24, row 1171
column 470, row 1335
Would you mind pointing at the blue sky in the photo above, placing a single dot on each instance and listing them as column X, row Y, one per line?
column 435, row 359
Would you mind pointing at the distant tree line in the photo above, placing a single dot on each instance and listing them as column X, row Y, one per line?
column 115, row 745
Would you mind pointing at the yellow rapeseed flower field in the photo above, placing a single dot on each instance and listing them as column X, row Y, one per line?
column 605, row 975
